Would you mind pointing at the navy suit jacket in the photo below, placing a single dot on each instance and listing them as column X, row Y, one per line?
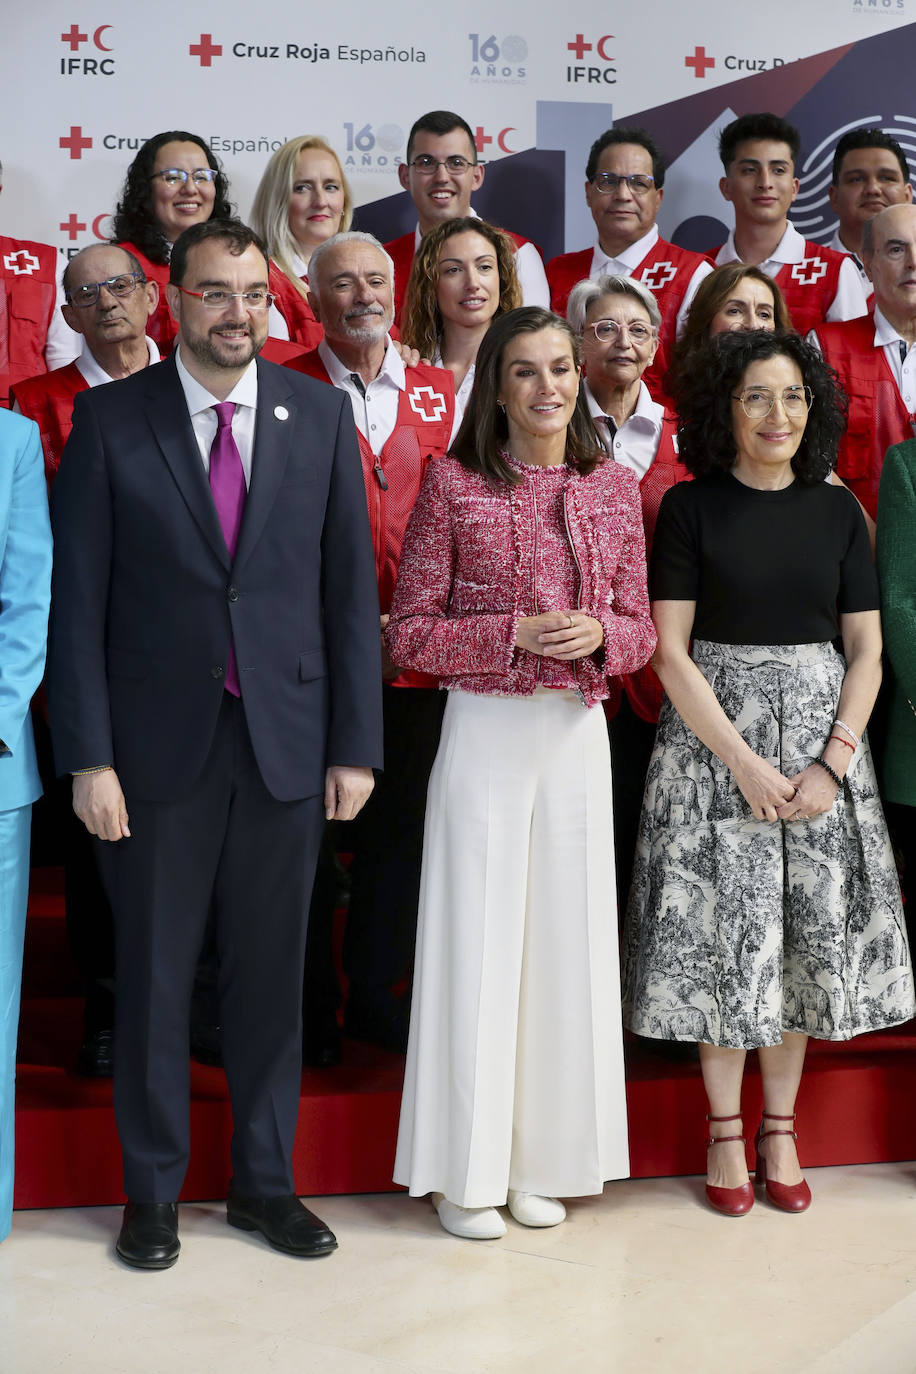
column 146, row 600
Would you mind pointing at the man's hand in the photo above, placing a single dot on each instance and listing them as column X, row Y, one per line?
column 99, row 803
column 409, row 356
column 346, row 791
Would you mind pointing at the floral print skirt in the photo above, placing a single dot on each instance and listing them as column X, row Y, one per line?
column 737, row 929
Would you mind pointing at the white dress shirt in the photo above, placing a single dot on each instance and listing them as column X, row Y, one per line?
column 462, row 395
column 203, row 417
column 375, row 407
column 626, row 263
column 850, row 299
column 93, row 374
column 528, row 266
column 635, row 443
column 903, row 369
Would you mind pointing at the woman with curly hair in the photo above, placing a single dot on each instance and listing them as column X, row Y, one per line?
column 463, row 277
column 173, row 182
column 302, row 200
column 765, row 905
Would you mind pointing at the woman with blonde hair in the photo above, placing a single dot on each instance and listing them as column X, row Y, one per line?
column 303, row 199
column 463, row 277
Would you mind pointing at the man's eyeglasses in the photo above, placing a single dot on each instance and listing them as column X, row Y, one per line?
column 177, row 176
column 215, row 298
column 758, row 401
column 124, row 284
column 638, row 332
column 427, row 165
column 606, row 183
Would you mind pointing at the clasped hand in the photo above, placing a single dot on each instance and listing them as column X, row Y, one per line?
column 559, row 634
column 773, row 797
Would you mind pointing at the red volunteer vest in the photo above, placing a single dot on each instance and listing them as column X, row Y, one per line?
column 401, row 251
column 426, row 411
column 303, row 328
column 878, row 417
column 809, row 286
column 28, row 289
column 48, row 400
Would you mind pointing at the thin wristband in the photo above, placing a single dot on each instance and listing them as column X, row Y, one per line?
column 84, row 772
column 851, row 733
column 827, row 769
column 840, row 740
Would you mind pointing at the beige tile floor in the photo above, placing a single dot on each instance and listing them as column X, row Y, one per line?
column 645, row 1280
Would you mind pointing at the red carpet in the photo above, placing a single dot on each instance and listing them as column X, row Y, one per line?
column 857, row 1105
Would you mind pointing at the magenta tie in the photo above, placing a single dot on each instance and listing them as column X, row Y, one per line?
column 227, row 483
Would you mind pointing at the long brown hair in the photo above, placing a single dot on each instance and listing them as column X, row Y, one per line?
column 421, row 326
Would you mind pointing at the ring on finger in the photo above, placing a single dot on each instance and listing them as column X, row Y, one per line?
column 572, row 623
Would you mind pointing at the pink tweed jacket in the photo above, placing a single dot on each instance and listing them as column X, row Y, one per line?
column 468, row 555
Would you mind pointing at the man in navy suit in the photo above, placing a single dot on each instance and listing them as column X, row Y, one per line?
column 213, row 688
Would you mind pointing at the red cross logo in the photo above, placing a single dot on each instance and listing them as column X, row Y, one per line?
column 809, row 271
column 436, row 402
column 74, row 37
column 580, row 47
column 72, row 227
column 658, row 275
column 699, row 62
column 76, row 143
column 21, row 264
column 206, row 50
column 481, row 139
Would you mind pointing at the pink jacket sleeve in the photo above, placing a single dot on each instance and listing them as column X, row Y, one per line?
column 629, row 634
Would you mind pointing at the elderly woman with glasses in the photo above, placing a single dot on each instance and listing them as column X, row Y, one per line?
column 173, row 182
column 765, row 905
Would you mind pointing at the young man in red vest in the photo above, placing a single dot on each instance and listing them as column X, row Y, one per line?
column 870, row 172
column 404, row 418
column 876, row 358
column 33, row 334
column 441, row 172
column 624, row 187
column 759, row 153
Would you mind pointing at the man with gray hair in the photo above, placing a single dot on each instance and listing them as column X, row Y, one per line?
column 875, row 358
column 404, row 417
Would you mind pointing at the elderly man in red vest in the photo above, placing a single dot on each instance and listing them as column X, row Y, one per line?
column 624, row 187
column 404, row 418
column 876, row 357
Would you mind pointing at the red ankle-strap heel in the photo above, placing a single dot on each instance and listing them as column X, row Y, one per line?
column 732, row 1202
column 788, row 1197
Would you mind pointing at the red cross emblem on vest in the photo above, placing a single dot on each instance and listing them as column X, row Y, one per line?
column 658, row 275
column 23, row 263
column 418, row 404
column 809, row 271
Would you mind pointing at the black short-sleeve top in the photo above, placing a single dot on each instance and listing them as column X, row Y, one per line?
column 764, row 567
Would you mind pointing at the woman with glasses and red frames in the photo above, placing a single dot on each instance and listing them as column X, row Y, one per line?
column 765, row 905
column 173, row 182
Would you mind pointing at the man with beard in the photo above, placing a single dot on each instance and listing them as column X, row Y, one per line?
column 404, row 416
column 213, row 689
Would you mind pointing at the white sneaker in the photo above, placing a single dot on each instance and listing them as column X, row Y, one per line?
column 533, row 1210
column 471, row 1223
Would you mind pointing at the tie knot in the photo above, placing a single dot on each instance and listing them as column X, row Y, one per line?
column 224, row 413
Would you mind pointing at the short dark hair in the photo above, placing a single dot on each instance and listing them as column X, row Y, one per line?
column 867, row 138
column 749, row 126
column 440, row 122
column 236, row 235
column 134, row 263
column 133, row 219
column 703, row 398
column 484, row 430
column 626, row 133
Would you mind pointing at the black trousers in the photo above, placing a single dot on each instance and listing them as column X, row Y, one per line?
column 228, row 843
column 631, row 739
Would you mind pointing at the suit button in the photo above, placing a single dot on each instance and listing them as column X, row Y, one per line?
column 216, row 671
column 233, row 593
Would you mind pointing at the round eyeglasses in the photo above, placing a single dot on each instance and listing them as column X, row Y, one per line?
column 758, row 401
column 638, row 332
column 124, row 284
column 177, row 176
column 606, row 183
column 215, row 298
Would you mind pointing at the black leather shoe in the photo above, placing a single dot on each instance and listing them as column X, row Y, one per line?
column 284, row 1222
column 149, row 1235
column 95, row 1057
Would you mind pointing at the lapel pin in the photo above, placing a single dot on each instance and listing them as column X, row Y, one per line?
column 281, row 412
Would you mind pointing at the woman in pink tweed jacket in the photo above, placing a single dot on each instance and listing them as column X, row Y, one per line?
column 522, row 585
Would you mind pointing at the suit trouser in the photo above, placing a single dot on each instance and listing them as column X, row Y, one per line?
column 14, row 891
column 230, row 841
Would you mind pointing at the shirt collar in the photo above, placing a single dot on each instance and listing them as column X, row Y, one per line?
column 885, row 333
column 630, row 257
column 198, row 398
column 472, row 214
column 647, row 416
column 790, row 248
column 94, row 374
column 390, row 372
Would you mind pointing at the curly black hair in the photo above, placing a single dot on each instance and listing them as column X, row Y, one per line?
column 703, row 399
column 133, row 219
